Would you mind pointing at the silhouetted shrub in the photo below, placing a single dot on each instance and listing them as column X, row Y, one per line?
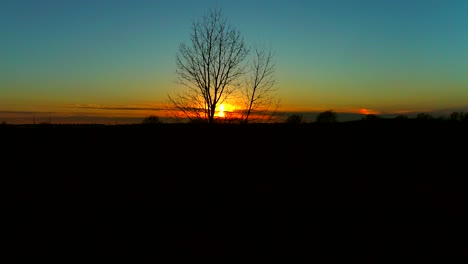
column 464, row 119
column 328, row 116
column 151, row 120
column 294, row 119
column 458, row 117
column 401, row 117
column 424, row 116
column 370, row 117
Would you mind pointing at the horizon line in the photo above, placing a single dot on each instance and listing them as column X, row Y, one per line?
column 56, row 117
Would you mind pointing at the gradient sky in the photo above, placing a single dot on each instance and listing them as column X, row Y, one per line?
column 93, row 56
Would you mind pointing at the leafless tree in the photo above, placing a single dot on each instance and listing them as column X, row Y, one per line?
column 258, row 94
column 210, row 67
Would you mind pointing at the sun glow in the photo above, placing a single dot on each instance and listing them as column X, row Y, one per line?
column 365, row 111
column 221, row 111
column 226, row 110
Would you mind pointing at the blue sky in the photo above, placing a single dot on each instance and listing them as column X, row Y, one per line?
column 344, row 55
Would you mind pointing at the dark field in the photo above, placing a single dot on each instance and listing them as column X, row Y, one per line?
column 364, row 191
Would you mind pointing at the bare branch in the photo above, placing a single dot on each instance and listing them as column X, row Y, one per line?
column 210, row 66
column 259, row 93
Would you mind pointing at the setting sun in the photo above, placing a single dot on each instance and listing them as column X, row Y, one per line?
column 365, row 111
column 225, row 108
column 221, row 111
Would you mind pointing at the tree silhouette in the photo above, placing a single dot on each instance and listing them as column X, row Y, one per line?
column 151, row 120
column 258, row 94
column 213, row 68
column 464, row 118
column 328, row 116
column 424, row 116
column 294, row 119
column 210, row 67
column 457, row 116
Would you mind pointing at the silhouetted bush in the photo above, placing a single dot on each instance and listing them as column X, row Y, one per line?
column 294, row 119
column 464, row 119
column 151, row 120
column 424, row 116
column 401, row 117
column 328, row 116
column 370, row 117
column 458, row 117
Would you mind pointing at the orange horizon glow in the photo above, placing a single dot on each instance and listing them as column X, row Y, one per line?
column 88, row 113
column 226, row 110
column 365, row 111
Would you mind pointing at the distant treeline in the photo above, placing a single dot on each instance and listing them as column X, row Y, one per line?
column 326, row 117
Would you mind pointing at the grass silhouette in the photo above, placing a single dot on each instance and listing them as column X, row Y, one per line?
column 369, row 187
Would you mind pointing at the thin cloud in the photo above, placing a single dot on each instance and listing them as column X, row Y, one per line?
column 20, row 112
column 124, row 108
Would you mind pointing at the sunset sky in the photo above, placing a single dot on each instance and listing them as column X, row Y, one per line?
column 85, row 59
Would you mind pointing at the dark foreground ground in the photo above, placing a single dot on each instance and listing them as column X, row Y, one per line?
column 365, row 192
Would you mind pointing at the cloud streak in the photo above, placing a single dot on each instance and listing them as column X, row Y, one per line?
column 122, row 108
